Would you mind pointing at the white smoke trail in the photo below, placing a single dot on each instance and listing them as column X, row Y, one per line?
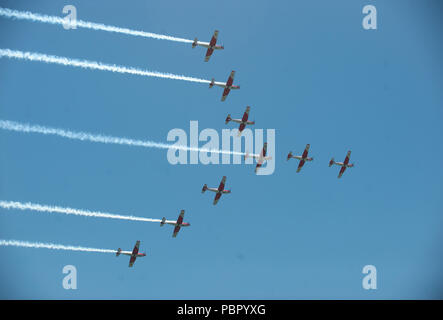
column 34, row 56
column 69, row 211
column 83, row 136
column 38, row 245
column 26, row 15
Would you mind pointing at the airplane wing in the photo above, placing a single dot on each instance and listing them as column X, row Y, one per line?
column 222, row 184
column 231, row 77
column 262, row 155
column 241, row 127
column 265, row 149
column 305, row 153
column 348, row 155
column 134, row 253
column 246, row 114
column 180, row 218
column 178, row 223
column 225, row 94
column 300, row 165
column 342, row 170
column 131, row 261
column 212, row 43
column 228, row 85
column 137, row 245
column 208, row 54
column 217, row 197
column 176, row 230
column 214, row 38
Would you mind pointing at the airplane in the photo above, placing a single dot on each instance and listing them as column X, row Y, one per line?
column 134, row 253
column 228, row 85
column 345, row 164
column 178, row 224
column 243, row 121
column 219, row 191
column 260, row 158
column 303, row 158
column 210, row 45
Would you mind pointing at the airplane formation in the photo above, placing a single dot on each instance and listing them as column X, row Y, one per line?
column 260, row 158
column 227, row 86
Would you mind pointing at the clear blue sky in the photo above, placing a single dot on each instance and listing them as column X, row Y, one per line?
column 309, row 70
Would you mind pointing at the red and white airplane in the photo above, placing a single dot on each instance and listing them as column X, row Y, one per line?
column 210, row 45
column 178, row 224
column 345, row 164
column 303, row 158
column 259, row 157
column 134, row 254
column 228, row 85
column 243, row 121
column 219, row 191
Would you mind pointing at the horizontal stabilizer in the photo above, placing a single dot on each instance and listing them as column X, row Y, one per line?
column 289, row 155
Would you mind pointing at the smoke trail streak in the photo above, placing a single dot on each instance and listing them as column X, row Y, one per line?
column 69, row 211
column 34, row 56
column 83, row 136
column 26, row 15
column 52, row 246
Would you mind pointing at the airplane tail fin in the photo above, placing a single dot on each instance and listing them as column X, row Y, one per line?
column 194, row 44
column 331, row 162
column 162, row 223
column 310, row 159
column 212, row 83
column 228, row 118
column 118, row 252
column 205, row 187
column 289, row 155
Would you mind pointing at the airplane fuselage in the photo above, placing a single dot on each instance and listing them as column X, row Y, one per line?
column 129, row 253
column 240, row 121
column 174, row 223
column 209, row 46
column 218, row 191
column 302, row 158
column 227, row 85
column 262, row 157
column 342, row 164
